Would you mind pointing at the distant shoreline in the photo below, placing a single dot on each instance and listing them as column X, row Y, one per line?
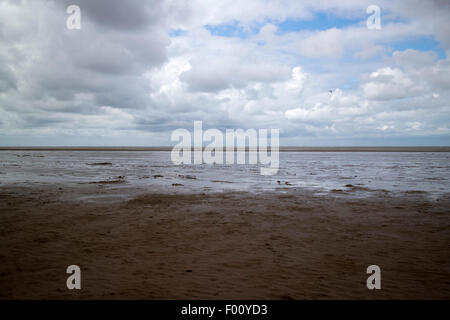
column 281, row 149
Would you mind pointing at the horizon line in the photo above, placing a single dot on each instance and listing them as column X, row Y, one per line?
column 246, row 149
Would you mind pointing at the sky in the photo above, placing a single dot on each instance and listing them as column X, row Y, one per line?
column 137, row 70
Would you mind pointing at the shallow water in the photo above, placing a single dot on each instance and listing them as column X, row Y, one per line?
column 426, row 173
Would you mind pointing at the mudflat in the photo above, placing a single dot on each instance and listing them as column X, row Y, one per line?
column 288, row 244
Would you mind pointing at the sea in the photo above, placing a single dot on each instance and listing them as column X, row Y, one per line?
column 349, row 174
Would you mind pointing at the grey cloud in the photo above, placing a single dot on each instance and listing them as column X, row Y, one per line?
column 213, row 77
column 7, row 79
column 432, row 15
column 129, row 15
column 414, row 59
column 37, row 121
column 206, row 81
column 55, row 66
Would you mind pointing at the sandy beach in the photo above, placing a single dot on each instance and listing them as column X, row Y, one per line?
column 288, row 244
column 246, row 150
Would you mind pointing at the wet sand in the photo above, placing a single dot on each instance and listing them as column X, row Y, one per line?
column 277, row 245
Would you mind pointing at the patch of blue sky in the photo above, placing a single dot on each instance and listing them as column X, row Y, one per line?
column 420, row 44
column 321, row 21
column 177, row 33
column 325, row 20
column 233, row 29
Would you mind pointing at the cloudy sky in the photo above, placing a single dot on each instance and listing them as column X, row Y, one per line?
column 137, row 70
